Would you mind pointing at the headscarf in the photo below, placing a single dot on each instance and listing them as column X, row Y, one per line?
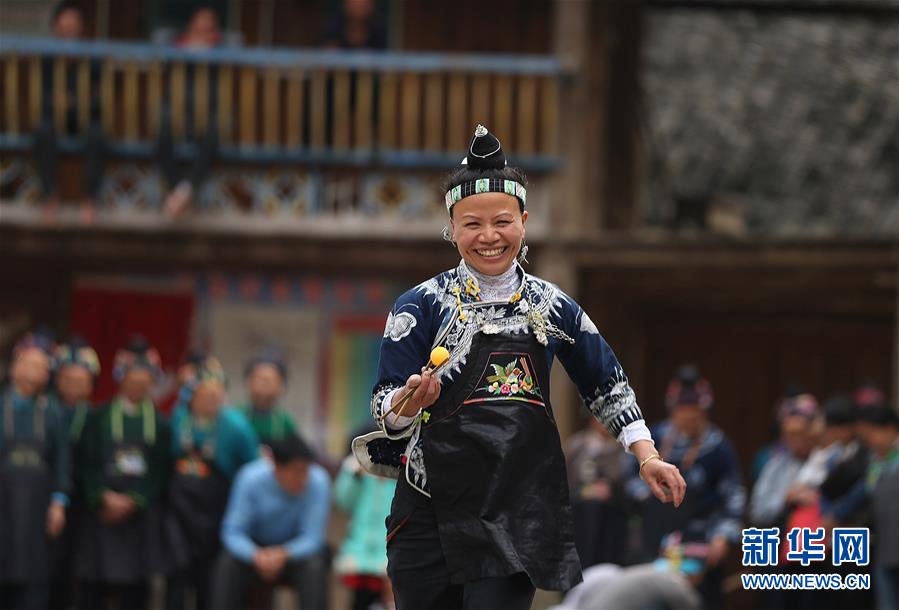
column 138, row 353
column 803, row 405
column 76, row 352
column 688, row 387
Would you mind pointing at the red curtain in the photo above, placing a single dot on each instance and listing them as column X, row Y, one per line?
column 108, row 318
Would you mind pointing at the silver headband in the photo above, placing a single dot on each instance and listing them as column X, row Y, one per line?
column 485, row 185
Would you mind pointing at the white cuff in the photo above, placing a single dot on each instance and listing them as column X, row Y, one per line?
column 633, row 432
column 395, row 422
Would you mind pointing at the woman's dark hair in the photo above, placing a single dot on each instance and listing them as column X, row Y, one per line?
column 267, row 355
column 289, row 449
column 485, row 159
column 839, row 411
column 137, row 344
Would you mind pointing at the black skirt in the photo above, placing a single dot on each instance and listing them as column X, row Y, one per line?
column 126, row 553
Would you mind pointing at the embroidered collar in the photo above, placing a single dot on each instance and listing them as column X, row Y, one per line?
column 470, row 289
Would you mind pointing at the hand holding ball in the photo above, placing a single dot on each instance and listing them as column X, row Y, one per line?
column 421, row 390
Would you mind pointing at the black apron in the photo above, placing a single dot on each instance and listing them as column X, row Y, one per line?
column 496, row 471
column 26, row 483
column 196, row 501
column 130, row 551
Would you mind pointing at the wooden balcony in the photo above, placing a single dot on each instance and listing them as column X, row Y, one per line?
column 284, row 106
column 291, row 126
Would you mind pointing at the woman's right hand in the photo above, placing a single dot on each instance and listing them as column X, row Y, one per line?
column 115, row 507
column 426, row 392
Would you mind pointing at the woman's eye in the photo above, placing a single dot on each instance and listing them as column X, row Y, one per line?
column 471, row 225
column 502, row 223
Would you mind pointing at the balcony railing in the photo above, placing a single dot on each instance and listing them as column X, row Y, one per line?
column 278, row 105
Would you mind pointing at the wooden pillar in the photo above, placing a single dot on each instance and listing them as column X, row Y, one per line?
column 11, row 93
column 621, row 121
column 554, row 266
column 574, row 211
column 896, row 348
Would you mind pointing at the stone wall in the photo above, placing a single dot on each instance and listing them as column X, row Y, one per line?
column 780, row 123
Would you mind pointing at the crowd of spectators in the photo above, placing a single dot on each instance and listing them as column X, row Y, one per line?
column 832, row 466
column 225, row 502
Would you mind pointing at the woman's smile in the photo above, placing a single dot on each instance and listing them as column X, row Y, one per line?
column 492, row 252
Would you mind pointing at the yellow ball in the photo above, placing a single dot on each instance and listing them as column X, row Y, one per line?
column 439, row 355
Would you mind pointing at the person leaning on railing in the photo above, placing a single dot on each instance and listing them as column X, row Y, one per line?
column 356, row 26
column 68, row 24
column 202, row 32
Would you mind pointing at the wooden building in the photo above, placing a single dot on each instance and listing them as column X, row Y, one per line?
column 324, row 199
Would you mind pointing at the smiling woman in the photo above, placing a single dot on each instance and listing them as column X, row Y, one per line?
column 486, row 203
column 488, row 229
column 481, row 514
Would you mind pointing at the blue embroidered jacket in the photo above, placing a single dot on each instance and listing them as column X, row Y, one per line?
column 446, row 310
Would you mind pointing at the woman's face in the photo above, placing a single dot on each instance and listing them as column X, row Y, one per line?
column 488, row 229
column 265, row 385
column 137, row 383
column 797, row 435
column 30, row 371
column 207, row 399
column 74, row 384
column 690, row 420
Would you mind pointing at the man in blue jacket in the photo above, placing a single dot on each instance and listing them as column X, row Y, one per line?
column 274, row 528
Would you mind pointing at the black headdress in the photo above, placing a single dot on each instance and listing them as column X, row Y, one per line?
column 485, row 153
column 137, row 354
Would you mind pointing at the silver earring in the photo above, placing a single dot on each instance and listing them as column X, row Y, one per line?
column 447, row 236
column 523, row 253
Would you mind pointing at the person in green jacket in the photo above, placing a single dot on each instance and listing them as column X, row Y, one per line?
column 124, row 464
column 76, row 368
column 266, row 377
column 210, row 442
column 362, row 560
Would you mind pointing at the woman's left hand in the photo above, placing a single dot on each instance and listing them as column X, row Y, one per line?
column 665, row 481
